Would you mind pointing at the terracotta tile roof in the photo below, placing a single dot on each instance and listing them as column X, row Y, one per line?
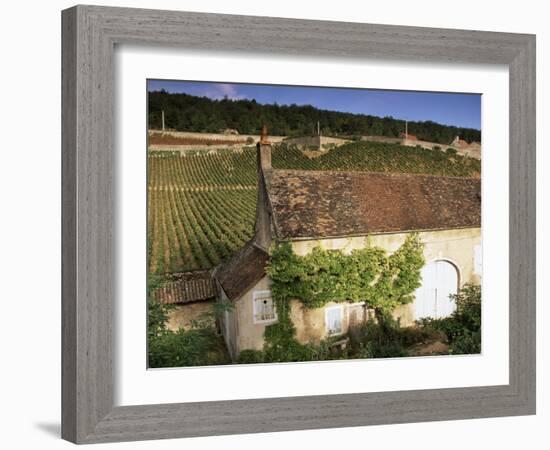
column 242, row 270
column 187, row 287
column 313, row 204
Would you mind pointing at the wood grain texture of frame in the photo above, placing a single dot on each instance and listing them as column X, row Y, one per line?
column 89, row 36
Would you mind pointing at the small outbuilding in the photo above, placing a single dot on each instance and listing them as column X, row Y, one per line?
column 191, row 296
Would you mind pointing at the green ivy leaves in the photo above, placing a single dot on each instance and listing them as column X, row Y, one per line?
column 369, row 274
column 383, row 281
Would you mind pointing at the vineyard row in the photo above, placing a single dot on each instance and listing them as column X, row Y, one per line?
column 201, row 207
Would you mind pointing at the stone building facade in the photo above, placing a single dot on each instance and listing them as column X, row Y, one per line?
column 347, row 211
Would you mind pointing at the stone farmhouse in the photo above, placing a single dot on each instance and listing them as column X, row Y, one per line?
column 349, row 210
column 337, row 210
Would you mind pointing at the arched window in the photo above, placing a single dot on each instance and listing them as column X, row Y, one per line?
column 439, row 281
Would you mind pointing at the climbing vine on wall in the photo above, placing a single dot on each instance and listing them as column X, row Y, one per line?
column 369, row 274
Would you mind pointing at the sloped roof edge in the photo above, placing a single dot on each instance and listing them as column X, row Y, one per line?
column 244, row 269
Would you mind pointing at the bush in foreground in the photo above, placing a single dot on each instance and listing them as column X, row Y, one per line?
column 463, row 327
column 199, row 346
column 195, row 347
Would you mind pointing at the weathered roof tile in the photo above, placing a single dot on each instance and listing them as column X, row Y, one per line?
column 187, row 287
column 314, row 204
column 242, row 270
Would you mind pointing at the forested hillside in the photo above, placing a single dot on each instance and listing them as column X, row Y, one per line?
column 200, row 114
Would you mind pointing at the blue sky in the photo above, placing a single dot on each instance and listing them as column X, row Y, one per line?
column 462, row 110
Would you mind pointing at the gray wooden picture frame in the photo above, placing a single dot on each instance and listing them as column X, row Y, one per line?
column 89, row 37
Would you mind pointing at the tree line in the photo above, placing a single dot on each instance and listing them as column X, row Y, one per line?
column 183, row 112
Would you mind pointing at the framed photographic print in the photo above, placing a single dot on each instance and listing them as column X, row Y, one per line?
column 279, row 224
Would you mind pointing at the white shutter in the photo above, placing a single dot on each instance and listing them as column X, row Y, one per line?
column 447, row 284
column 425, row 294
column 439, row 281
column 478, row 257
column 263, row 307
column 333, row 319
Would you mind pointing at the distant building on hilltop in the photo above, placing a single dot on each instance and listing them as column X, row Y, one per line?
column 472, row 149
column 317, row 143
column 408, row 136
column 460, row 143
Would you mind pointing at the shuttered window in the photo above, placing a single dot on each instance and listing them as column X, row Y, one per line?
column 264, row 309
column 333, row 319
column 477, row 259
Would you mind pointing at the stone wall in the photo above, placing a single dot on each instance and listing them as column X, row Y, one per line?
column 317, row 142
column 473, row 150
column 455, row 246
column 250, row 335
column 182, row 315
column 216, row 136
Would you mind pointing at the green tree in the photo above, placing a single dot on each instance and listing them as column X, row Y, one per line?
column 199, row 114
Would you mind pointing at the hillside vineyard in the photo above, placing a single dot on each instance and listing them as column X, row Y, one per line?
column 201, row 204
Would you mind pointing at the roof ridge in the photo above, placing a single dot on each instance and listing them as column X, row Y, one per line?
column 259, row 247
column 365, row 172
column 242, row 270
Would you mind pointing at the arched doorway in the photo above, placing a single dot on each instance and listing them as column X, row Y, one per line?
column 439, row 280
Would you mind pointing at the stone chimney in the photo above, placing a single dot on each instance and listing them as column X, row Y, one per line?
column 262, row 235
column 264, row 152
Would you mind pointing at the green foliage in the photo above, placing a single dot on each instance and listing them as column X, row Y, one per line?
column 466, row 343
column 195, row 347
column 322, row 276
column 202, row 206
column 381, row 349
column 250, row 357
column 200, row 114
column 451, row 151
column 468, row 306
column 289, row 350
column 220, row 307
column 463, row 327
column 386, row 339
column 198, row 346
column 368, row 274
column 378, row 157
column 377, row 340
column 157, row 313
column 280, row 345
